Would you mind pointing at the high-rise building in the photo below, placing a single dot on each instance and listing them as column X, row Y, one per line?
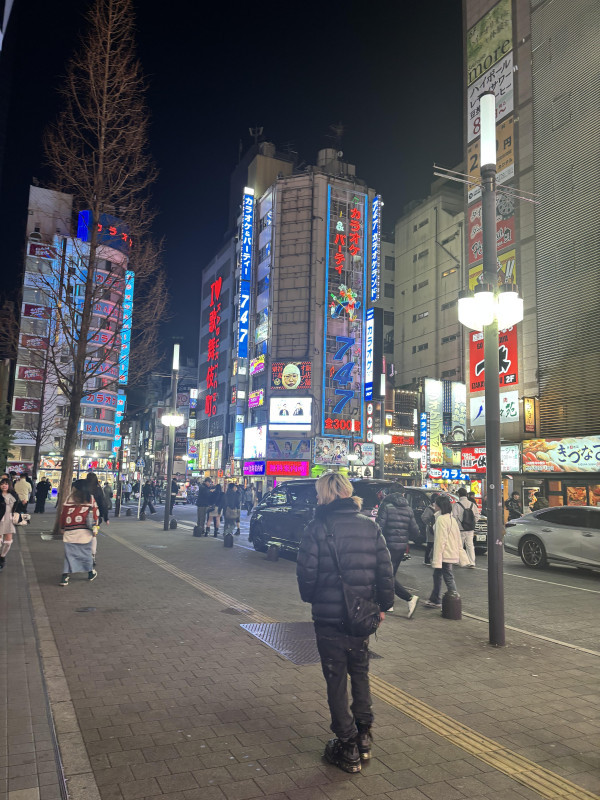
column 541, row 59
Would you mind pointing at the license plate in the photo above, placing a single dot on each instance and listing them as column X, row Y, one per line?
column 481, row 537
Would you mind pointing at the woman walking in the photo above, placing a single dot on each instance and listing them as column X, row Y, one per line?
column 214, row 511
column 79, row 525
column 8, row 502
column 447, row 545
column 365, row 565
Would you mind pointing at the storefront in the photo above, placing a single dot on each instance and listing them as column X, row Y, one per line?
column 566, row 470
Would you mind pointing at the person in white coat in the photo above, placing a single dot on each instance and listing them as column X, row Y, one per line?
column 446, row 547
column 466, row 514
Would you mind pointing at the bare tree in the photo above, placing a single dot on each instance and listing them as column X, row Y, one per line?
column 97, row 150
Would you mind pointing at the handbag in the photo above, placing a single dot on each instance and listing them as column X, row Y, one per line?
column 16, row 517
column 362, row 614
column 463, row 558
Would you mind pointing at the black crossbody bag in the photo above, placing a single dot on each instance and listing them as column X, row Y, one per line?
column 362, row 614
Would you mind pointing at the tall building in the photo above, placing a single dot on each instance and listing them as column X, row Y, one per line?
column 541, row 59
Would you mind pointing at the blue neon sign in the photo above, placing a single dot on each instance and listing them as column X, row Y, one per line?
column 247, row 239
column 375, row 246
column 126, row 328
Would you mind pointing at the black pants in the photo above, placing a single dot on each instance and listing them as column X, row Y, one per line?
column 343, row 655
column 147, row 502
column 40, row 505
column 402, row 593
column 428, row 552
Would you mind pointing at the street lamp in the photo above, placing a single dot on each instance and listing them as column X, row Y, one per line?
column 172, row 421
column 381, row 439
column 79, row 454
column 491, row 308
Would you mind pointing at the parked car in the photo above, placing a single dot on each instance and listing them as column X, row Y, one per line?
column 561, row 534
column 420, row 498
column 284, row 512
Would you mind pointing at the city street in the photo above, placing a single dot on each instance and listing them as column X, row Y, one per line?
column 157, row 691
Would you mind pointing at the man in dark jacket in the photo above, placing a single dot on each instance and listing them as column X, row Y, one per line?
column 232, row 504
column 513, row 506
column 41, row 495
column 365, row 565
column 398, row 524
column 147, row 496
column 204, row 502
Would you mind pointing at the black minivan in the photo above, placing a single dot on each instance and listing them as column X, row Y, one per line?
column 284, row 512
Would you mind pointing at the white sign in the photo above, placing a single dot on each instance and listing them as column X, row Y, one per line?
column 498, row 79
column 255, row 442
column 290, row 413
column 509, row 408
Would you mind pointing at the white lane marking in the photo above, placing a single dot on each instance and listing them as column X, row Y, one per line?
column 540, row 580
column 538, row 636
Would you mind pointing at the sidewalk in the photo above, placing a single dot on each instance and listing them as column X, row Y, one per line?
column 174, row 699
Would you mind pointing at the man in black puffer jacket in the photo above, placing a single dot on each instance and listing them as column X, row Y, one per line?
column 366, row 566
column 398, row 524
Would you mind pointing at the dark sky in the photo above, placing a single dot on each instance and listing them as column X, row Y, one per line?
column 390, row 72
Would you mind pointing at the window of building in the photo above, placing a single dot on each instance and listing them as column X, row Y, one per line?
column 424, row 222
column 422, row 315
column 449, row 373
column 389, row 263
column 450, row 304
column 388, row 342
column 388, row 317
column 388, row 290
column 451, row 338
column 262, row 285
column 423, row 254
column 418, row 348
column 417, row 286
column 264, row 252
column 450, row 271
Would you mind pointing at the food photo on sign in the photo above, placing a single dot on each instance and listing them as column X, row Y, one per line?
column 291, row 375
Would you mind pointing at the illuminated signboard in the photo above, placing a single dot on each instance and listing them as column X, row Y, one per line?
column 25, row 373
column 247, row 238
column 214, row 330
column 126, row 328
column 288, row 468
column 26, row 404
column 508, row 361
column 257, row 365
column 375, row 246
column 42, row 251
column 100, row 399
column 33, row 342
column 37, row 312
column 120, row 411
column 112, row 232
column 255, row 442
column 256, row 398
column 254, row 467
column 291, row 375
column 288, row 448
column 369, row 352
column 576, row 454
column 92, row 428
column 345, row 310
column 290, row 413
column 423, row 439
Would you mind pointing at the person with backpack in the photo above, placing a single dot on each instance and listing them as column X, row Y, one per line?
column 79, row 525
column 397, row 521
column 428, row 520
column 466, row 514
column 342, row 549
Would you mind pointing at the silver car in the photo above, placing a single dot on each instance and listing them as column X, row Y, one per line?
column 562, row 534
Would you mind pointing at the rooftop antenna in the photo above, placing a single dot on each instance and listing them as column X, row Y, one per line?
column 256, row 133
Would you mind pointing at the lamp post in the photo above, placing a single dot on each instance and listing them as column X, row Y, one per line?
column 382, row 439
column 79, row 454
column 490, row 308
column 172, row 421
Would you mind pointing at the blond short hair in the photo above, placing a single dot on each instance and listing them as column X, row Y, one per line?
column 333, row 485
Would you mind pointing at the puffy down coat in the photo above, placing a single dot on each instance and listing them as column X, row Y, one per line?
column 397, row 522
column 363, row 556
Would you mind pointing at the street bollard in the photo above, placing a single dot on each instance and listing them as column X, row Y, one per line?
column 173, row 524
column 228, row 540
column 451, row 606
column 197, row 531
column 273, row 553
column 129, row 513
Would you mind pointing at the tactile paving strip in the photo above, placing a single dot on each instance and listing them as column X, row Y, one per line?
column 293, row 640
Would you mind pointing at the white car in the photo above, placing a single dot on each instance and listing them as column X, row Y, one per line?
column 560, row 534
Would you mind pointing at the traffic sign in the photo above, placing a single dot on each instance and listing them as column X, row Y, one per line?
column 140, row 462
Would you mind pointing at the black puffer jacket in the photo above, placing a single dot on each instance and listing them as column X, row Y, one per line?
column 397, row 522
column 364, row 561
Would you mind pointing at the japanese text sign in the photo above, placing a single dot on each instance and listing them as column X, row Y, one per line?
column 291, row 375
column 508, row 361
column 375, row 247
column 288, row 468
column 214, row 331
column 126, row 328
column 574, row 454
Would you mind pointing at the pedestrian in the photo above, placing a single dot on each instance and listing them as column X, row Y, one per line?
column 174, row 491
column 513, row 506
column 232, row 506
column 147, row 496
column 79, row 518
column 203, row 502
column 446, row 547
column 214, row 510
column 540, row 502
column 108, row 494
column 22, row 489
column 365, row 565
column 248, row 499
column 91, row 484
column 8, row 503
column 127, row 491
column 428, row 520
column 136, row 490
column 398, row 525
column 259, row 495
column 466, row 514
column 41, row 495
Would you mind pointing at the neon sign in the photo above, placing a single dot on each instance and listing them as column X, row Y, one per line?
column 247, row 238
column 214, row 328
column 126, row 328
column 369, row 353
column 288, row 468
column 110, row 231
column 375, row 246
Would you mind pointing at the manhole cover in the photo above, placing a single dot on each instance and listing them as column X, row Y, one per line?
column 86, row 608
column 294, row 640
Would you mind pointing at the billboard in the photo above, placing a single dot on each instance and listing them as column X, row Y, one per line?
column 506, row 270
column 489, row 40
column 573, row 454
column 434, row 410
column 94, row 428
column 126, row 328
column 345, row 285
column 369, row 352
column 255, row 442
column 505, row 158
column 509, row 408
column 33, row 342
column 288, row 469
column 291, row 375
column 508, row 360
column 37, row 312
column 107, row 399
column 254, row 468
column 26, row 373
column 246, row 239
column 257, row 365
column 31, row 404
column 112, row 231
column 290, row 413
column 335, row 452
column 38, row 250
column 499, row 80
column 505, row 227
column 214, row 332
column 473, row 459
column 375, row 247
column 288, row 448
column 256, row 398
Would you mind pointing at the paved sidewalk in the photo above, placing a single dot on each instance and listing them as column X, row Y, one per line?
column 174, row 699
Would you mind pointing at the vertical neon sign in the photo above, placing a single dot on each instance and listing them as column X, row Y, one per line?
column 214, row 330
column 126, row 328
column 375, row 246
column 247, row 239
column 369, row 353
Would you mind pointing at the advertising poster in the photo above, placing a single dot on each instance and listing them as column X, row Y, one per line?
column 489, row 40
column 529, row 414
column 26, row 373
column 256, row 398
column 26, row 404
column 37, row 312
column 506, row 270
column 255, row 442
column 473, row 459
column 505, row 228
column 346, row 257
column 331, row 451
column 254, row 468
column 505, row 158
column 290, row 413
column 291, row 375
column 257, row 365
column 33, row 342
column 288, row 448
column 509, row 408
column 507, row 355
column 575, row 454
column 458, row 422
column 499, row 80
column 434, row 409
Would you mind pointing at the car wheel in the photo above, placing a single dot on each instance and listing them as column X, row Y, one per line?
column 258, row 540
column 533, row 552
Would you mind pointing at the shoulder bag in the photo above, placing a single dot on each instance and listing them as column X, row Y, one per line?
column 362, row 614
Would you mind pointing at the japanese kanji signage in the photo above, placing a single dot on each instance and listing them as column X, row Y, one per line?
column 489, row 40
column 291, row 375
column 529, row 414
column 505, row 231
column 288, row 468
column 37, row 312
column 375, row 246
column 214, row 330
column 26, row 373
column 499, row 80
column 576, row 454
column 247, row 239
column 126, row 328
column 369, row 352
column 505, row 158
column 506, row 270
column 42, row 251
column 344, row 312
column 507, row 359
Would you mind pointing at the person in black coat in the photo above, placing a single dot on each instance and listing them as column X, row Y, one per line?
column 203, row 503
column 41, row 495
column 232, row 505
column 365, row 564
column 398, row 524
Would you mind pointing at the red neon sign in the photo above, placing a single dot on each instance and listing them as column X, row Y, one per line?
column 214, row 328
column 288, row 468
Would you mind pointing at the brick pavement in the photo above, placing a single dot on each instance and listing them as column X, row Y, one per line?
column 175, row 700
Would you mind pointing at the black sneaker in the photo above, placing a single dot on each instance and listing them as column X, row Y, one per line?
column 364, row 740
column 344, row 755
column 64, row 581
column 92, row 575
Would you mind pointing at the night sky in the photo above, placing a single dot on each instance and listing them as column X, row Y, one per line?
column 390, row 72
